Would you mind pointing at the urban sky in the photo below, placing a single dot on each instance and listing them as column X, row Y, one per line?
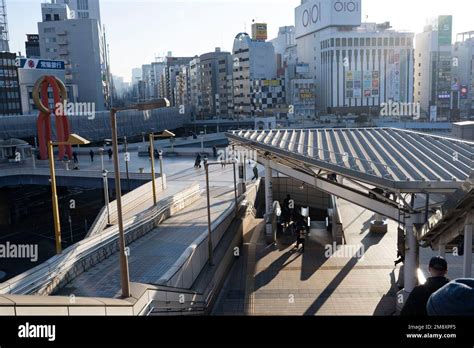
column 139, row 30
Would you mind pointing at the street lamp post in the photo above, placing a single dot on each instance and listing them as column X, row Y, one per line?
column 106, row 193
column 73, row 139
column 206, row 166
column 124, row 271
column 165, row 134
column 152, row 158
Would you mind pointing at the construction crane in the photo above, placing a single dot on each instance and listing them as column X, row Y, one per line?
column 4, row 47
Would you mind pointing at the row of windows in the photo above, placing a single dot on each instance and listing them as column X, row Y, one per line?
column 362, row 42
column 7, row 83
column 9, row 106
column 9, row 95
column 8, row 73
column 83, row 5
column 49, row 30
column 7, row 62
column 48, row 17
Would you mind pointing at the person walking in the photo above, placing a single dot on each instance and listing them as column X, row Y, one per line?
column 301, row 234
column 109, row 152
column 91, row 153
column 418, row 299
column 74, row 156
column 197, row 163
column 255, row 172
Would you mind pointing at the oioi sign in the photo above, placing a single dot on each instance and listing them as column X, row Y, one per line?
column 319, row 14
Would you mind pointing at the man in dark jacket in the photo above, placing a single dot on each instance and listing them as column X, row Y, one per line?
column 416, row 302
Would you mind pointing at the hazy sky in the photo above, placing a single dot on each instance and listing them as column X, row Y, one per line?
column 138, row 30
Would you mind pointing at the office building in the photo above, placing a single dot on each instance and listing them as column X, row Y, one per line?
column 463, row 74
column 252, row 60
column 433, row 69
column 195, row 86
column 10, row 102
column 82, row 9
column 215, row 67
column 172, row 71
column 32, row 46
column 357, row 66
column 301, row 93
column 81, row 44
column 268, row 97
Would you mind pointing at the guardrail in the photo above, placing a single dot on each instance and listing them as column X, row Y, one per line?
column 145, row 299
column 130, row 201
column 61, row 269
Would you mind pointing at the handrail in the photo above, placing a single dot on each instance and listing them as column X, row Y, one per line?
column 58, row 266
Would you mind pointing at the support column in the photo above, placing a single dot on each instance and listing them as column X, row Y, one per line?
column 410, row 265
column 268, row 203
column 442, row 249
column 241, row 185
column 467, row 261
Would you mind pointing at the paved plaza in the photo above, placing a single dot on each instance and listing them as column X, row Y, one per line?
column 278, row 280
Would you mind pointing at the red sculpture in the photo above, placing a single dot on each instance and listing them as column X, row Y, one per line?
column 44, row 124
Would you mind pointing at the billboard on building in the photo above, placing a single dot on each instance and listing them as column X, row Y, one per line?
column 445, row 30
column 315, row 15
column 259, row 31
column 24, row 63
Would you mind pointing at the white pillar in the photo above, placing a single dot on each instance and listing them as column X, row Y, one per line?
column 410, row 264
column 442, row 249
column 467, row 262
column 268, row 199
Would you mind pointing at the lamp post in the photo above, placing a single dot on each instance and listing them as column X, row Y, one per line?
column 206, row 166
column 73, row 139
column 164, row 135
column 106, row 193
column 124, row 272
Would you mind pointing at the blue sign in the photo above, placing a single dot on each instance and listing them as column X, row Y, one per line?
column 26, row 63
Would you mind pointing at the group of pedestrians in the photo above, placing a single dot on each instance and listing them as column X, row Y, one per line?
column 75, row 157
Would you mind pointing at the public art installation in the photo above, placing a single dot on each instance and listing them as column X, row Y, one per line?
column 59, row 91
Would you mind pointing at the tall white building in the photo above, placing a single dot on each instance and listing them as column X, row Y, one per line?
column 82, row 8
column 252, row 60
column 433, row 69
column 357, row 67
column 82, row 45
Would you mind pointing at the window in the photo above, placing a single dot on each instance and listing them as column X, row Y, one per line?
column 83, row 5
column 367, row 41
column 379, row 41
column 49, row 30
column 48, row 18
column 356, row 42
column 56, row 17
